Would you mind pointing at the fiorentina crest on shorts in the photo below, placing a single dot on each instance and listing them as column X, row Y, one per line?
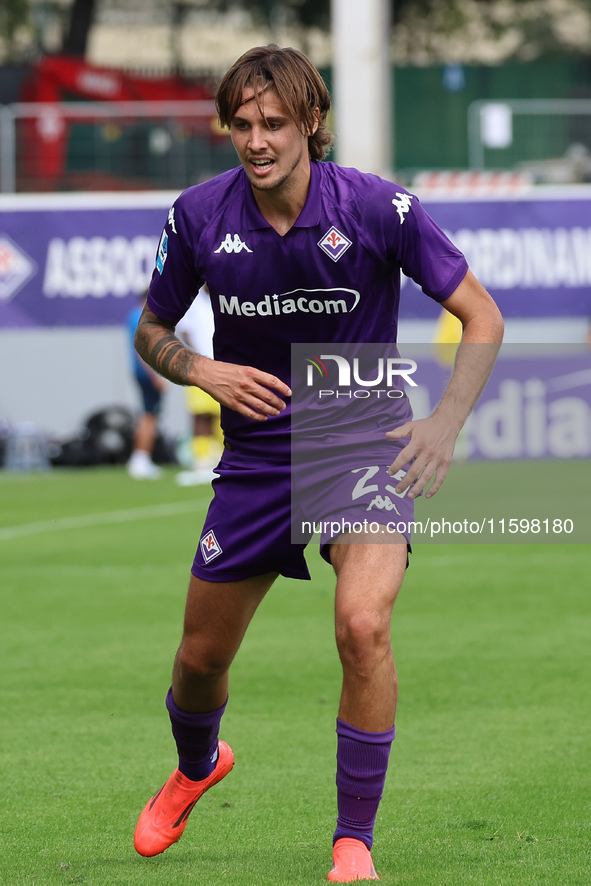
column 334, row 243
column 210, row 547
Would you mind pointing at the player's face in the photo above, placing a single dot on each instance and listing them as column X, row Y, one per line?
column 272, row 148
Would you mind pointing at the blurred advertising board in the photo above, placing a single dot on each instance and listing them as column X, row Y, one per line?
column 77, row 260
column 532, row 253
column 536, row 404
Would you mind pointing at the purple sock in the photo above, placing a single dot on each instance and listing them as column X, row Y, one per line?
column 196, row 737
column 362, row 763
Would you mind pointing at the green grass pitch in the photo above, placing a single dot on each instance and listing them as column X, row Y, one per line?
column 489, row 780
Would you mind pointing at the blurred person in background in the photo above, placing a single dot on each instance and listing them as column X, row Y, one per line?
column 196, row 330
column 446, row 341
column 447, row 338
column 151, row 387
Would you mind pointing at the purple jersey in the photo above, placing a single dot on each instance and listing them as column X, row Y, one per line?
column 334, row 277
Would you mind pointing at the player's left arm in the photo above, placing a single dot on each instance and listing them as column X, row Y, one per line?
column 432, row 439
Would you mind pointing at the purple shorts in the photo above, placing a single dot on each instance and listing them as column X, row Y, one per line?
column 256, row 524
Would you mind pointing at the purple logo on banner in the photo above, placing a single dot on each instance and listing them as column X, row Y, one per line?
column 16, row 267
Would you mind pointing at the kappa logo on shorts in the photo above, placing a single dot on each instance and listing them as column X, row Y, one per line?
column 210, row 547
column 334, row 243
column 383, row 503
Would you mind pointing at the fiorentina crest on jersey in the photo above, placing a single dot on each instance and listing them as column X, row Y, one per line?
column 334, row 243
column 210, row 547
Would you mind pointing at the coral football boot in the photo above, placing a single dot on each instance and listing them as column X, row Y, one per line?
column 351, row 861
column 164, row 817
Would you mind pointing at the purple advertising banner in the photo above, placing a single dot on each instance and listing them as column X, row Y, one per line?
column 532, row 254
column 79, row 260
column 82, row 260
column 534, row 406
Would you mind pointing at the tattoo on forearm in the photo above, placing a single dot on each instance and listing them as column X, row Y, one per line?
column 167, row 355
column 163, row 352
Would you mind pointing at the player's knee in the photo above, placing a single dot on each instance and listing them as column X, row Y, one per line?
column 198, row 665
column 362, row 638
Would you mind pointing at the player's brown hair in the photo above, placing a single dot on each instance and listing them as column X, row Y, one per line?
column 296, row 81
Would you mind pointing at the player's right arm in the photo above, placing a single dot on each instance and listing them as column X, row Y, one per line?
column 249, row 391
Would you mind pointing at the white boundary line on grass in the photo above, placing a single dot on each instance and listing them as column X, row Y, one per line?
column 104, row 519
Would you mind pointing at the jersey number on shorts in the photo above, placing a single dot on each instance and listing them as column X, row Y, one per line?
column 364, row 487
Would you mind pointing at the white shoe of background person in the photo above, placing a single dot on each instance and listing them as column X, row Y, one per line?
column 197, row 477
column 141, row 467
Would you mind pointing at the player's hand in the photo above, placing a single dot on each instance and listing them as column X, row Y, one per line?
column 430, row 450
column 249, row 391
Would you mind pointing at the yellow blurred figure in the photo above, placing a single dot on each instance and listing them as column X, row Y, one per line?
column 448, row 333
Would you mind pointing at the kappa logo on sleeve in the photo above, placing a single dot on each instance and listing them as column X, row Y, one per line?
column 210, row 547
column 162, row 252
column 171, row 220
column 402, row 204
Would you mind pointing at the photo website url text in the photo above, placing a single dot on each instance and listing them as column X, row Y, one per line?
column 432, row 528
